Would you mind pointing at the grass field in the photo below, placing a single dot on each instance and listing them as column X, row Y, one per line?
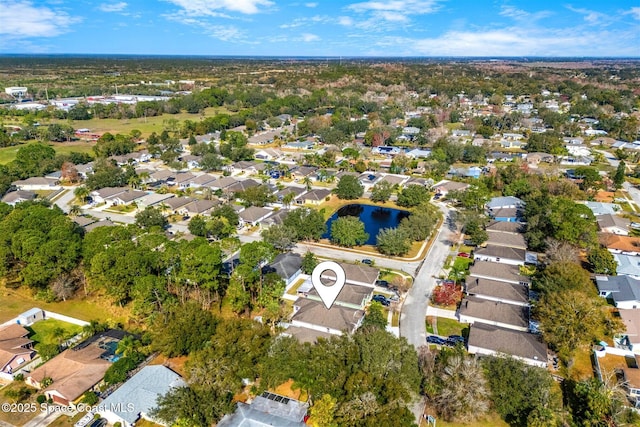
column 7, row 154
column 18, row 418
column 17, row 301
column 44, row 331
column 448, row 327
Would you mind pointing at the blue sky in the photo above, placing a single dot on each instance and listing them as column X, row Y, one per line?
column 323, row 27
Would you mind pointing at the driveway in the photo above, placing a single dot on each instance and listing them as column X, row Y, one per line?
column 414, row 309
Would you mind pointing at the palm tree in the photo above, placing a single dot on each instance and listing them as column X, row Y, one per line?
column 287, row 199
column 134, row 181
column 74, row 210
column 207, row 193
column 307, row 182
column 128, row 346
column 144, row 177
column 82, row 193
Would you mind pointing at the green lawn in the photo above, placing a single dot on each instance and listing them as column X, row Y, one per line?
column 7, row 154
column 448, row 327
column 19, row 418
column 16, row 301
column 44, row 331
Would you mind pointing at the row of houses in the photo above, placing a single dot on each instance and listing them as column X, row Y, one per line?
column 496, row 301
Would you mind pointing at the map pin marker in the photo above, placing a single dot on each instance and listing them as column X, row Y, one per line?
column 328, row 294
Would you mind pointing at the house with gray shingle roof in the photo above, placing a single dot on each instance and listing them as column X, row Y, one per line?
column 286, row 265
column 623, row 290
column 495, row 341
column 135, row 399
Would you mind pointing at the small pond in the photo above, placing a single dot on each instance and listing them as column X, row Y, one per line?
column 374, row 218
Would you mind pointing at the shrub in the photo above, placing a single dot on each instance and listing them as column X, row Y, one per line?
column 447, row 294
column 41, row 399
column 90, row 398
column 119, row 370
column 18, row 377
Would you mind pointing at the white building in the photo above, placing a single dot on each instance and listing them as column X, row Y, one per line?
column 16, row 91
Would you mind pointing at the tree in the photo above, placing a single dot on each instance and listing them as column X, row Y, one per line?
column 569, row 320
column 462, row 393
column 564, row 276
column 602, row 261
column 309, row 224
column 522, row 394
column 349, row 188
column 419, row 225
column 322, row 412
column 282, row 237
column 375, row 317
column 348, row 231
column 619, row 177
column 381, row 192
column 183, row 329
column 413, row 195
column 151, row 217
column 393, row 241
column 260, row 195
column 474, row 229
column 198, row 226
column 309, row 262
column 591, row 179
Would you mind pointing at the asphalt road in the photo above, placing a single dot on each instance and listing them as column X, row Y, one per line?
column 634, row 193
column 414, row 309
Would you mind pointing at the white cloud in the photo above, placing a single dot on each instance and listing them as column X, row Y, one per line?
column 113, row 7
column 522, row 15
column 311, row 5
column 406, row 7
column 226, row 33
column 635, row 12
column 308, row 37
column 386, row 15
column 516, row 41
column 345, row 20
column 590, row 16
column 211, row 7
column 21, row 19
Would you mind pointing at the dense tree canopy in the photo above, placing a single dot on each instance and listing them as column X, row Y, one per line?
column 349, row 188
column 348, row 231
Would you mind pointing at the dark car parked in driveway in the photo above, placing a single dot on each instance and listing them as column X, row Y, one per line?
column 381, row 299
column 432, row 339
column 454, row 340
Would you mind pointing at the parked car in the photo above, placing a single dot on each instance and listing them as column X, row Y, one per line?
column 367, row 261
column 453, row 340
column 381, row 299
column 382, row 283
column 464, row 254
column 432, row 339
column 100, row 422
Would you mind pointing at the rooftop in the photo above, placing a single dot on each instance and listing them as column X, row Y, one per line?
column 501, row 238
column 501, row 252
column 493, row 311
column 622, row 288
column 142, row 390
column 285, row 265
column 507, row 341
column 497, row 289
column 337, row 317
column 350, row 294
column 498, row 271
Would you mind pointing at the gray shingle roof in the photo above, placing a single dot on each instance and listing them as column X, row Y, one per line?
column 500, row 238
column 622, row 288
column 247, row 416
column 493, row 311
column 142, row 390
column 285, row 265
column 497, row 271
column 507, row 341
column 503, row 202
column 496, row 289
column 501, row 252
column 337, row 317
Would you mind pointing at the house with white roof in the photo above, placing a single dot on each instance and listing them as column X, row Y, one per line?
column 135, row 399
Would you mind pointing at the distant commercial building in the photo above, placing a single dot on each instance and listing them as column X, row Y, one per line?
column 17, row 91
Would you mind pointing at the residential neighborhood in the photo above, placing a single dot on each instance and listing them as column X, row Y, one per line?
column 164, row 275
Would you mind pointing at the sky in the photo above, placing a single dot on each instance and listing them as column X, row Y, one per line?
column 396, row 28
